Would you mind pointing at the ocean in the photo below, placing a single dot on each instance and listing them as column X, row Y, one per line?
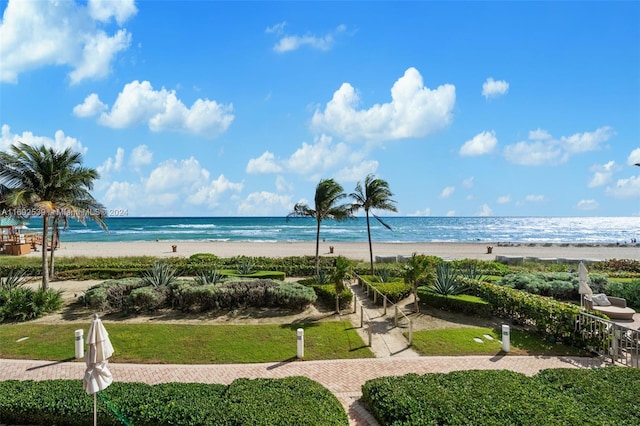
column 404, row 229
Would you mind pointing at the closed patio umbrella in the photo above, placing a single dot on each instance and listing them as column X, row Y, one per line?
column 583, row 287
column 97, row 375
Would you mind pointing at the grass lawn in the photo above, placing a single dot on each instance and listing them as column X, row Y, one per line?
column 460, row 341
column 190, row 344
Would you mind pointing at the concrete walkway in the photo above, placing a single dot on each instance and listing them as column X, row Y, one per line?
column 344, row 378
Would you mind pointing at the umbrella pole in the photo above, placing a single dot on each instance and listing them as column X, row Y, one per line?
column 95, row 409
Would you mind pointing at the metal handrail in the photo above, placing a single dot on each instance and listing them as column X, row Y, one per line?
column 619, row 343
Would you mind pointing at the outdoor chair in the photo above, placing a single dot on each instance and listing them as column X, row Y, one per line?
column 613, row 307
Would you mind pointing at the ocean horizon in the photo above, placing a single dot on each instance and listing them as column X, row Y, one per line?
column 403, row 229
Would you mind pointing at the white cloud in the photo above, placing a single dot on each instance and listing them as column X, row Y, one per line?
column 320, row 156
column 446, row 192
column 36, row 34
column 265, row 204
column 140, row 156
column 482, row 143
column 112, row 164
column 602, row 174
column 504, row 199
column 485, row 210
column 288, row 43
column 357, row 172
column 587, row 205
column 59, row 142
column 534, row 198
column 264, row 164
column 543, row 150
column 91, row 106
column 414, row 111
column 468, row 182
column 161, row 110
column 634, row 157
column 282, row 185
column 492, row 88
column 425, row 212
column 451, row 213
column 625, row 188
column 211, row 193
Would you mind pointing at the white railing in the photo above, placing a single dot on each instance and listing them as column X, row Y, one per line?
column 606, row 338
column 371, row 291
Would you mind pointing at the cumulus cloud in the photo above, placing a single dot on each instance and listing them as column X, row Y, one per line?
column 36, row 34
column 91, row 106
column 282, row 185
column 414, row 111
column 59, row 141
column 504, row 199
column 468, row 182
column 543, row 150
column 425, row 212
column 265, row 203
column 320, row 156
column 587, row 205
column 634, row 157
column 480, row 144
column 112, row 164
column 140, row 156
column 266, row 163
column 288, row 43
column 161, row 110
column 485, row 210
column 602, row 174
column 625, row 188
column 492, row 88
column 357, row 172
column 447, row 191
column 451, row 213
column 534, row 198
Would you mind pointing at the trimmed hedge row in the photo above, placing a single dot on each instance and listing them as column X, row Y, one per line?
column 464, row 303
column 559, row 285
column 326, row 293
column 602, row 396
column 289, row 401
column 395, row 290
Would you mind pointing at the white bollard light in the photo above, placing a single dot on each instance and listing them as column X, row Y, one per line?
column 300, row 353
column 506, row 338
column 79, row 344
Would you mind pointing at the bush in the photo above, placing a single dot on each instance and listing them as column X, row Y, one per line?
column 288, row 401
column 159, row 275
column 111, row 295
column 559, row 285
column 465, row 304
column 23, row 303
column 147, row 299
column 553, row 397
column 630, row 291
column 326, row 293
column 395, row 289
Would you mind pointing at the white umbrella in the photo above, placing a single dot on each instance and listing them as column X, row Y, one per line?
column 583, row 288
column 97, row 376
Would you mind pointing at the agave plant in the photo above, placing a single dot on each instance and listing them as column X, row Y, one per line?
column 384, row 275
column 15, row 278
column 209, row 276
column 447, row 282
column 159, row 275
column 322, row 277
column 246, row 267
column 470, row 269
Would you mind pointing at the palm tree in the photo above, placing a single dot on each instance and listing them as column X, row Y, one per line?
column 48, row 183
column 375, row 194
column 328, row 194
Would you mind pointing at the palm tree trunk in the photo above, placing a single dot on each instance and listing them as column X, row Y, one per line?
column 370, row 248
column 45, row 266
column 54, row 244
column 318, row 247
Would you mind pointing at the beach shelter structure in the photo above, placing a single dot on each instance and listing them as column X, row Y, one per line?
column 97, row 375
column 583, row 286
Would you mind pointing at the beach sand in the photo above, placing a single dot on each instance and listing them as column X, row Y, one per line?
column 356, row 251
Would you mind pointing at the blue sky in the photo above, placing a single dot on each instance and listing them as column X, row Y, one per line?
column 206, row 108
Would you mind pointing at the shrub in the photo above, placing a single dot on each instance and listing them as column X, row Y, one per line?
column 447, row 282
column 23, row 304
column 160, row 274
column 559, row 285
column 209, row 276
column 395, row 289
column 110, row 295
column 326, row 294
column 630, row 291
column 147, row 299
column 465, row 304
column 15, row 278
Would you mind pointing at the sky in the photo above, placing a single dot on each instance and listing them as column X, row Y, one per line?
column 209, row 108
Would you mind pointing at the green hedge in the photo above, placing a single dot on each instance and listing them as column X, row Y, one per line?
column 603, row 396
column 289, row 401
column 559, row 285
column 463, row 303
column 395, row 289
column 24, row 303
column 327, row 293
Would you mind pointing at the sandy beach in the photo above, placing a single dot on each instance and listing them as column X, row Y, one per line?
column 356, row 251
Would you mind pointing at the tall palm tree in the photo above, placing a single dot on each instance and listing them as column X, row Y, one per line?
column 329, row 193
column 47, row 183
column 374, row 194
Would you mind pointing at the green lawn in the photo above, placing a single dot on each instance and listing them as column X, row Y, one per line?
column 460, row 341
column 190, row 344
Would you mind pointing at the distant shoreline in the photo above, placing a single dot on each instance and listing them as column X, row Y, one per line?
column 351, row 250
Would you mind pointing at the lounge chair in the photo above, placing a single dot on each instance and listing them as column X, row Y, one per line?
column 613, row 307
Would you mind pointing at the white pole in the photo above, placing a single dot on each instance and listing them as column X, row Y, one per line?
column 506, row 338
column 79, row 344
column 300, row 353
